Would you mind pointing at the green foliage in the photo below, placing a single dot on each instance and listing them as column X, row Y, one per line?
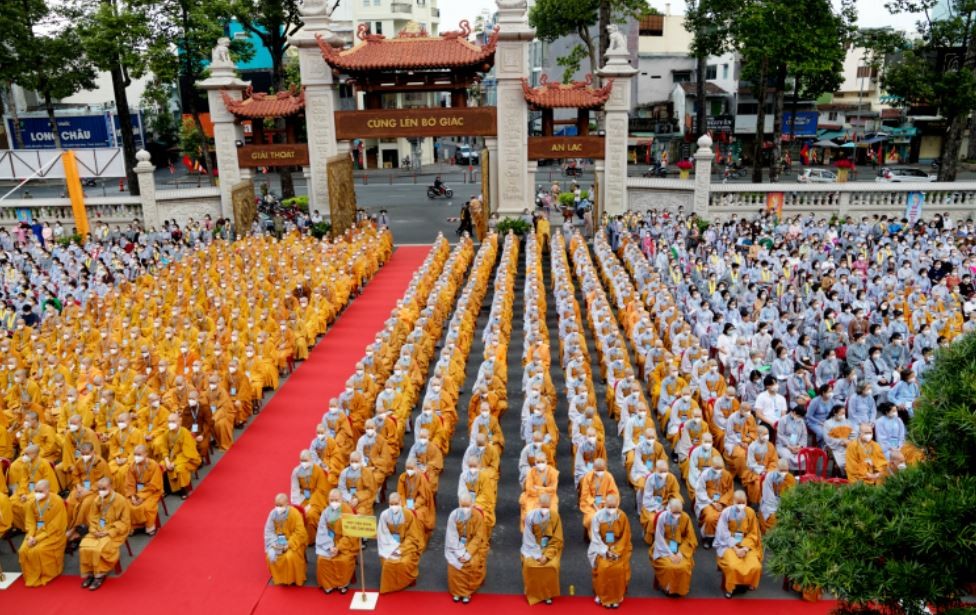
column 945, row 421
column 113, row 33
column 517, row 225
column 553, row 19
column 566, row 199
column 320, row 229
column 67, row 240
column 702, row 224
column 571, row 61
column 918, row 72
column 301, row 202
column 191, row 140
column 910, row 541
column 272, row 21
column 160, row 120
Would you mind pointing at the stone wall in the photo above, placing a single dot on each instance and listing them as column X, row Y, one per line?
column 182, row 205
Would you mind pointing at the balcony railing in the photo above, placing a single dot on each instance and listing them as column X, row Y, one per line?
column 401, row 7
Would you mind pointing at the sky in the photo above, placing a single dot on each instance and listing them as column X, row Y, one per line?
column 871, row 13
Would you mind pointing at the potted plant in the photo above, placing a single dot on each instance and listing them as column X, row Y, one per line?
column 843, row 166
column 684, row 166
column 517, row 225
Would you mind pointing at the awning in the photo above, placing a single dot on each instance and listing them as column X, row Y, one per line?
column 825, row 143
column 873, row 140
column 832, row 134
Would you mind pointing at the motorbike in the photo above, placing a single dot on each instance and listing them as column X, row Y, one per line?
column 573, row 171
column 444, row 191
column 656, row 171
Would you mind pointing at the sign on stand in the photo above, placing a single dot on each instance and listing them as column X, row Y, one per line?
column 362, row 527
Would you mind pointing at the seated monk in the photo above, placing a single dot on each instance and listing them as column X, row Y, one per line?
column 712, row 495
column 594, row 489
column 738, row 546
column 42, row 552
column 673, row 542
column 609, row 553
column 179, row 455
column 109, row 526
column 336, row 553
column 399, row 541
column 660, row 487
column 357, row 486
column 143, row 487
column 87, row 471
column 417, row 495
column 865, row 460
column 309, row 490
column 22, row 476
column 284, row 543
column 773, row 486
column 466, row 549
column 542, row 549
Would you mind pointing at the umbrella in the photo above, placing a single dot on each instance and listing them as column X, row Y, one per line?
column 825, row 143
column 850, row 144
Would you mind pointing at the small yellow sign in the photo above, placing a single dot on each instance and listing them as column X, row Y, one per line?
column 359, row 526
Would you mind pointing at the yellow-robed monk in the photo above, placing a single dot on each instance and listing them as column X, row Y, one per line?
column 542, row 549
column 673, row 543
column 42, row 552
column 285, row 541
column 108, row 528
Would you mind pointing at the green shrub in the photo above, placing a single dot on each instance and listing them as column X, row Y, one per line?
column 517, row 225
column 67, row 240
column 320, row 229
column 301, row 202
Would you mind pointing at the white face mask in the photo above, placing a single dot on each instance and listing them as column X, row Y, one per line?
column 741, row 507
column 706, row 447
column 395, row 508
column 173, row 426
column 123, row 425
column 540, row 467
column 139, row 458
column 355, row 465
column 866, row 437
column 335, row 505
column 86, row 458
column 39, row 496
column 281, row 509
column 370, row 432
column 306, row 464
column 902, row 466
column 103, row 493
column 73, row 428
column 591, row 440
column 411, row 472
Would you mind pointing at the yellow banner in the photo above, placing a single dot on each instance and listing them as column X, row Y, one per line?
column 359, row 526
column 75, row 193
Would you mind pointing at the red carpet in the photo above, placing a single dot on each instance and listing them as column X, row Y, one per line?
column 278, row 600
column 208, row 558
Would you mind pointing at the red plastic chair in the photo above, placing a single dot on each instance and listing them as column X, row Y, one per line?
column 813, row 462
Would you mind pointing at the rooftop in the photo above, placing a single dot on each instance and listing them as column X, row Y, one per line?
column 412, row 51
column 259, row 105
column 710, row 88
column 577, row 94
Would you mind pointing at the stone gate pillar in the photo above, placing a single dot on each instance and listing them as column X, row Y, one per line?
column 321, row 100
column 617, row 108
column 227, row 133
column 513, row 193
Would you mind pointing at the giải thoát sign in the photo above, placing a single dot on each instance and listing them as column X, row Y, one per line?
column 282, row 155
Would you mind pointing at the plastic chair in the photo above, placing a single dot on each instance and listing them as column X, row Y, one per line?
column 838, row 481
column 811, row 460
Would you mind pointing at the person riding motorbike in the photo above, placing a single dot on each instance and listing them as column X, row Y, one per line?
column 438, row 185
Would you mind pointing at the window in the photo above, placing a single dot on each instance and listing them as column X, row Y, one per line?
column 748, row 108
column 655, row 76
column 832, row 116
column 725, row 71
column 711, row 72
column 377, row 27
column 867, row 72
column 652, row 25
column 682, row 76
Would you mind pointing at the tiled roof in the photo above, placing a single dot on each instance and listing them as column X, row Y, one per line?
column 450, row 50
column 578, row 94
column 258, row 105
column 710, row 88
